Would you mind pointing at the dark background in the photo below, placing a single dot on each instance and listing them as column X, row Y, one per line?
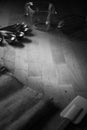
column 69, row 6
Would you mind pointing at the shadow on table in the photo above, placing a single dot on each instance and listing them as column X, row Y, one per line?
column 42, row 117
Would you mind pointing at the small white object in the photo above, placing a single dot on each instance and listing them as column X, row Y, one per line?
column 76, row 110
column 47, row 22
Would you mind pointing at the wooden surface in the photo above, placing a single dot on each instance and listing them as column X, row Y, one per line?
column 49, row 63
